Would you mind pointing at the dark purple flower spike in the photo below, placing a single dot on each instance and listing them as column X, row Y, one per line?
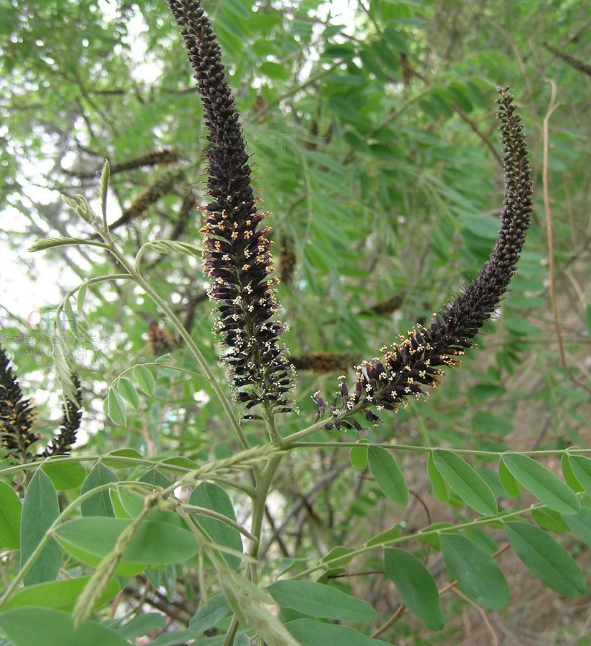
column 237, row 253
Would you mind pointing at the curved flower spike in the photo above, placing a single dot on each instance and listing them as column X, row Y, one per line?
column 17, row 414
column 236, row 252
column 416, row 362
column 72, row 417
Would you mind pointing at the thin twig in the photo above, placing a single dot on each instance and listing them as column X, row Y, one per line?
column 390, row 621
column 480, row 610
column 472, row 125
column 423, row 505
column 322, row 483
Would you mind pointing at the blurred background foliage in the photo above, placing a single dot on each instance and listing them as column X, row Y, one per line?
column 373, row 134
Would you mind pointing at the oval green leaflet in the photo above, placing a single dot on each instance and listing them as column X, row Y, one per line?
column 510, row 485
column 40, row 510
column 127, row 390
column 145, row 379
column 440, row 487
column 64, row 475
column 155, row 543
column 358, row 455
column 542, row 483
column 581, row 467
column 388, row 475
column 416, row 587
column 465, row 482
column 546, row 559
column 116, row 409
column 314, row 633
column 99, row 504
column 22, row 626
column 10, row 517
column 478, row 576
column 323, row 601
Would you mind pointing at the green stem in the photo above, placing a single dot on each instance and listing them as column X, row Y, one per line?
column 258, row 513
column 273, row 432
column 232, row 630
column 179, row 327
column 174, row 468
column 428, row 449
column 258, row 510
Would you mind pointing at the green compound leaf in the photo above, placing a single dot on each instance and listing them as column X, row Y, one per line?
column 478, row 576
column 465, row 482
column 388, row 475
column 319, row 600
column 10, row 517
column 40, row 509
column 542, row 483
column 416, row 587
column 546, row 559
